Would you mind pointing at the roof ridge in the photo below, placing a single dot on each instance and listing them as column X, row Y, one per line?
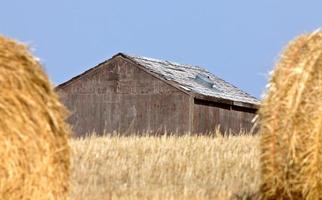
column 188, row 66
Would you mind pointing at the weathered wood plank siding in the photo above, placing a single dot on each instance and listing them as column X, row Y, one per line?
column 208, row 115
column 119, row 96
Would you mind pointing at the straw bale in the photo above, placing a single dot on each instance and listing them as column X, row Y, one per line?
column 290, row 120
column 33, row 135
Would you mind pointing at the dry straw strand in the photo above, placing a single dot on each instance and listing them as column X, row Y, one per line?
column 290, row 119
column 33, row 135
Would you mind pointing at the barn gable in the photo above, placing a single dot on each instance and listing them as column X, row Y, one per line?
column 118, row 96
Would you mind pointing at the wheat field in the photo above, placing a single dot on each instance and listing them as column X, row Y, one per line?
column 166, row 167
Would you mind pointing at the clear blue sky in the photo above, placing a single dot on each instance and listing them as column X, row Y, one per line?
column 238, row 41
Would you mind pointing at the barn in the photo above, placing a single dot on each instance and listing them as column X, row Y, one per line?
column 129, row 94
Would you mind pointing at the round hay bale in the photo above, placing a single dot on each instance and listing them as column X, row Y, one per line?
column 290, row 120
column 33, row 135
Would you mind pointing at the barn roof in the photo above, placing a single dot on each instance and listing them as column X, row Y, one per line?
column 184, row 76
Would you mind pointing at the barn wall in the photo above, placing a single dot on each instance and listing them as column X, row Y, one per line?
column 120, row 97
column 208, row 115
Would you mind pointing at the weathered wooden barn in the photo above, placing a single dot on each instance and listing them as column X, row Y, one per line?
column 128, row 94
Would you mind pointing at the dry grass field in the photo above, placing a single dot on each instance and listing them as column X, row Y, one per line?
column 172, row 167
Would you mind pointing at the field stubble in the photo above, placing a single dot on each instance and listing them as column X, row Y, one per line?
column 166, row 167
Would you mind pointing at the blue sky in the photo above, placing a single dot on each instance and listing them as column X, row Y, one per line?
column 238, row 41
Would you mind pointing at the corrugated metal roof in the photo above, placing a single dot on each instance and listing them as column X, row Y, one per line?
column 185, row 77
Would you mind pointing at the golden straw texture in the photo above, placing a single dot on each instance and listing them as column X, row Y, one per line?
column 291, row 123
column 186, row 167
column 33, row 135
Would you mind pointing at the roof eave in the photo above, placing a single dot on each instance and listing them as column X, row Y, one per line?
column 227, row 101
column 87, row 71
